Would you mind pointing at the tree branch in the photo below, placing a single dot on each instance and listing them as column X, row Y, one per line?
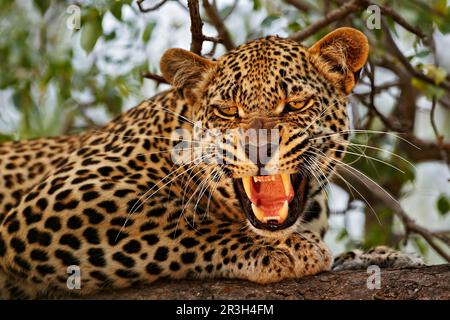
column 299, row 5
column 403, row 284
column 152, row 8
column 155, row 77
column 405, row 62
column 337, row 14
column 439, row 137
column 397, row 18
column 217, row 22
column 196, row 27
column 356, row 178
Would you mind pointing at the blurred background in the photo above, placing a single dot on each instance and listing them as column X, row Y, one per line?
column 67, row 66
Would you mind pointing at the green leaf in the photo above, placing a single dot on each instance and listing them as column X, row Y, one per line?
column 110, row 36
column 294, row 26
column 343, row 234
column 148, row 32
column 428, row 89
column 42, row 5
column 420, row 245
column 226, row 11
column 422, row 54
column 438, row 74
column 439, row 5
column 90, row 33
column 443, row 22
column 256, row 5
column 269, row 19
column 5, row 137
column 443, row 204
column 116, row 10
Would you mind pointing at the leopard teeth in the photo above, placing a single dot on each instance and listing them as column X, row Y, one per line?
column 263, row 178
column 280, row 217
column 246, row 182
column 286, row 183
column 259, row 214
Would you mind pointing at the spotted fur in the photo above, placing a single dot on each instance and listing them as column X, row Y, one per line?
column 112, row 201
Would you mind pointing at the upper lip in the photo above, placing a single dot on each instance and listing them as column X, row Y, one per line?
column 296, row 205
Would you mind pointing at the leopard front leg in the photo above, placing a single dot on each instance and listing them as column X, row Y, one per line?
column 223, row 249
column 294, row 256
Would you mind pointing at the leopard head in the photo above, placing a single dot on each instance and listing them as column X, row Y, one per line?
column 272, row 117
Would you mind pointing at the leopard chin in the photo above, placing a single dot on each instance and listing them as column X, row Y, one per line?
column 272, row 202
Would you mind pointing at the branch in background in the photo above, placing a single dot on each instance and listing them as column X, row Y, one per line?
column 212, row 39
column 225, row 17
column 391, row 13
column 300, row 5
column 153, row 8
column 356, row 178
column 379, row 88
column 396, row 17
column 429, row 151
column 444, row 103
column 196, row 27
column 216, row 21
column 439, row 137
column 405, row 62
column 335, row 15
column 159, row 79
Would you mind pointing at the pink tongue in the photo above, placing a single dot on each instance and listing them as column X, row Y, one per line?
column 269, row 195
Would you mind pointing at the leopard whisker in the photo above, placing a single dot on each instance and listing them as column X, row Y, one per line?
column 134, row 208
column 386, row 151
column 174, row 113
column 185, row 206
column 349, row 185
column 218, row 177
column 140, row 202
column 394, row 134
column 371, row 158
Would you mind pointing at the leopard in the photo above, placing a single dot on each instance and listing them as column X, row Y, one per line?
column 171, row 189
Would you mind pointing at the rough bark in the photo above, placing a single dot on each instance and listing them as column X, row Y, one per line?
column 432, row 282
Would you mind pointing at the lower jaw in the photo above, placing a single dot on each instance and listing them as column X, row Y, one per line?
column 295, row 208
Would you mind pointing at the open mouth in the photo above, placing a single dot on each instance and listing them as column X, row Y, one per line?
column 272, row 202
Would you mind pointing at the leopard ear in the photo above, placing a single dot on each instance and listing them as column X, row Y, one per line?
column 183, row 69
column 340, row 55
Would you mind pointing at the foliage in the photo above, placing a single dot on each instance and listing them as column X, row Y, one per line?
column 42, row 55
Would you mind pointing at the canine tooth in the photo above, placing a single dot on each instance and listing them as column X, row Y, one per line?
column 283, row 213
column 259, row 214
column 286, row 183
column 246, row 183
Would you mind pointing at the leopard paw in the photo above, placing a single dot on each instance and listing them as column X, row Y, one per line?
column 295, row 257
column 381, row 256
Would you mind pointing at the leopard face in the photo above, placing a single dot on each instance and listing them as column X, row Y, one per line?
column 273, row 120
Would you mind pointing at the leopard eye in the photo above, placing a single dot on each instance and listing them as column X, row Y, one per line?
column 299, row 105
column 228, row 112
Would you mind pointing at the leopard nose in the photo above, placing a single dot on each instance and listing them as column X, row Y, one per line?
column 261, row 153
